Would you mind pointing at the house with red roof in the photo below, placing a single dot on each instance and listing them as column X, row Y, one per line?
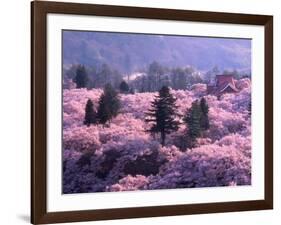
column 223, row 84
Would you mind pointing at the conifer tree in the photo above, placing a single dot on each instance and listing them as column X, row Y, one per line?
column 192, row 119
column 132, row 91
column 124, row 87
column 204, row 120
column 90, row 114
column 112, row 99
column 103, row 113
column 109, row 105
column 81, row 79
column 162, row 114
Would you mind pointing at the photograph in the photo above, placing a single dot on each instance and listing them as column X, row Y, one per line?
column 142, row 111
column 154, row 111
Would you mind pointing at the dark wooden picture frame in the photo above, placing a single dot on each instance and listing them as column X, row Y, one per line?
column 40, row 9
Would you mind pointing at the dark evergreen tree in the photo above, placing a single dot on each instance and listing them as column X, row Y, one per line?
column 204, row 120
column 103, row 112
column 81, row 79
column 132, row 91
column 90, row 114
column 112, row 99
column 109, row 105
column 162, row 114
column 124, row 87
column 192, row 119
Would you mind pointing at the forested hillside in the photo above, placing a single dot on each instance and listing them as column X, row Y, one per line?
column 131, row 52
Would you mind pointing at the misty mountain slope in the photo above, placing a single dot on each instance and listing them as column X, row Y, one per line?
column 129, row 52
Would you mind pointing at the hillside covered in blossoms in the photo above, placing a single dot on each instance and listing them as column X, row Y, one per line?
column 122, row 155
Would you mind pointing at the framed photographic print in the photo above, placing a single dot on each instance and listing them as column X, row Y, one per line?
column 144, row 112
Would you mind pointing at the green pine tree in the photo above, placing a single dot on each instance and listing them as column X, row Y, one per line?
column 162, row 114
column 204, row 120
column 112, row 99
column 124, row 87
column 103, row 113
column 90, row 114
column 109, row 105
column 192, row 120
column 81, row 79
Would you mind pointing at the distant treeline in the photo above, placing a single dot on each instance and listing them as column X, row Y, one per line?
column 93, row 77
column 150, row 80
